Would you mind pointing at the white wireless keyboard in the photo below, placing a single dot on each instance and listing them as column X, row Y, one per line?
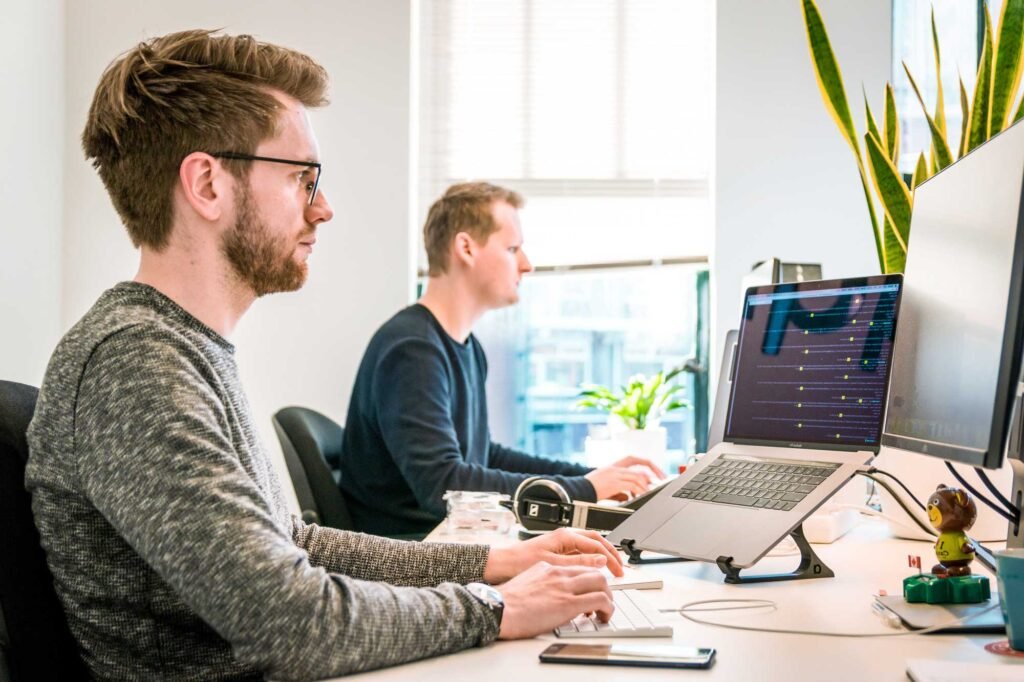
column 627, row 621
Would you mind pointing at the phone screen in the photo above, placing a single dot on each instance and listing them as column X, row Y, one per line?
column 643, row 655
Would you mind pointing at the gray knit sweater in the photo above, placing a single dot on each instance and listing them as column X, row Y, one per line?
column 171, row 546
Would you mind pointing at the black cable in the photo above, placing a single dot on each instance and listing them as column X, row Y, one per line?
column 876, row 470
column 1010, row 506
column 970, row 488
column 984, row 555
column 899, row 500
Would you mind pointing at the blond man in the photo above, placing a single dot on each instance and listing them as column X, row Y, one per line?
column 417, row 419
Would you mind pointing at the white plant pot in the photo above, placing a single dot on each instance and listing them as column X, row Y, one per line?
column 651, row 443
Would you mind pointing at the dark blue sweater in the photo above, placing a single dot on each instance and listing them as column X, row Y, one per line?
column 417, row 426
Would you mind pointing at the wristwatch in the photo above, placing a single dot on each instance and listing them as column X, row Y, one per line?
column 489, row 597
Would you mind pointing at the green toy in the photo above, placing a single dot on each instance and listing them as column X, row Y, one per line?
column 952, row 512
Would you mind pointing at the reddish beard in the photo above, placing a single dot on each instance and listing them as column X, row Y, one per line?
column 264, row 262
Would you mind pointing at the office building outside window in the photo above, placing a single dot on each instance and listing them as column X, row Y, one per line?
column 600, row 113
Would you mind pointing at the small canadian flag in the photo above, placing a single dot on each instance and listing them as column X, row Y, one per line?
column 914, row 561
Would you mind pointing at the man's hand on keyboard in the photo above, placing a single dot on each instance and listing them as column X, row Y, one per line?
column 563, row 547
column 545, row 596
column 628, row 477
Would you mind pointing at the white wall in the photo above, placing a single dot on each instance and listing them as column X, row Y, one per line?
column 786, row 182
column 298, row 348
column 31, row 129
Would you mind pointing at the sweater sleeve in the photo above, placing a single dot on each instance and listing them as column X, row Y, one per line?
column 411, row 393
column 421, row 564
column 155, row 457
column 579, row 488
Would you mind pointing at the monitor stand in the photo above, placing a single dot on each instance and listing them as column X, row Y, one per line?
column 811, row 566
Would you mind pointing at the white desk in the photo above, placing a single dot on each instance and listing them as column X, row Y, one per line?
column 865, row 560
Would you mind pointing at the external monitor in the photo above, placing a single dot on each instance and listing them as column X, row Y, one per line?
column 957, row 356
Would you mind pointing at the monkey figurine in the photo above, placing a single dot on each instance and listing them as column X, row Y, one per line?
column 952, row 511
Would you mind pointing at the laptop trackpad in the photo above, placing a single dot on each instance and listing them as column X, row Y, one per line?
column 683, row 534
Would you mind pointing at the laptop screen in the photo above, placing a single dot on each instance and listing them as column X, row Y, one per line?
column 813, row 363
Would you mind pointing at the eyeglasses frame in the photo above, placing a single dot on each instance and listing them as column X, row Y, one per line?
column 236, row 156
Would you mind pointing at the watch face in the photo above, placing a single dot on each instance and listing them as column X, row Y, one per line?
column 487, row 595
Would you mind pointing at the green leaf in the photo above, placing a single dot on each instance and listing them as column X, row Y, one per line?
column 826, row 70
column 675, row 405
column 892, row 125
column 920, row 172
column 940, row 101
column 895, row 256
column 965, row 109
column 896, row 200
column 872, row 126
column 871, row 214
column 978, row 131
column 1007, row 72
column 940, row 148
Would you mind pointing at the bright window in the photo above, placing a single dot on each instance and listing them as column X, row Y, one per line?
column 600, row 113
column 959, row 26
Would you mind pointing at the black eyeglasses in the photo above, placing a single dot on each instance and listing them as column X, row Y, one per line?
column 310, row 187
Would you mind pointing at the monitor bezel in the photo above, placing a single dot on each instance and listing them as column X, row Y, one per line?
column 1009, row 362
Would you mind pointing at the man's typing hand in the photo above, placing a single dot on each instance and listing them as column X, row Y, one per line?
column 545, row 596
column 628, row 477
column 563, row 547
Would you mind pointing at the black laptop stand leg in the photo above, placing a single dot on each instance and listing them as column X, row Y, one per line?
column 810, row 565
column 634, row 558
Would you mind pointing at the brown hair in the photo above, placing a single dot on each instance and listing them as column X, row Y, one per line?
column 465, row 207
column 181, row 93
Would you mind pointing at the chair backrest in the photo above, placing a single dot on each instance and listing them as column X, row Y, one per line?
column 37, row 640
column 312, row 445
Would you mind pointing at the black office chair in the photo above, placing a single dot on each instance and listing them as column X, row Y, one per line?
column 312, row 450
column 34, row 636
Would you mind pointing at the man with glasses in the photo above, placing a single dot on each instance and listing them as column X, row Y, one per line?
column 172, row 550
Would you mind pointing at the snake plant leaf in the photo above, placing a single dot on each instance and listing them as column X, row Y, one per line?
column 940, row 148
column 1007, row 69
column 826, row 70
column 895, row 255
column 891, row 125
column 871, row 214
column 872, row 126
column 1020, row 112
column 965, row 109
column 896, row 199
column 920, row 172
column 978, row 131
column 940, row 100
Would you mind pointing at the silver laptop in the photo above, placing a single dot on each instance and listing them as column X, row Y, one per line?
column 805, row 412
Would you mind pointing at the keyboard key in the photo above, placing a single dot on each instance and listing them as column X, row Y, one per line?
column 734, row 499
column 629, row 620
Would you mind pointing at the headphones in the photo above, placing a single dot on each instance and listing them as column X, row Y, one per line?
column 542, row 504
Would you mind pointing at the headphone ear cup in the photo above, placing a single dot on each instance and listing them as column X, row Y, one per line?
column 533, row 497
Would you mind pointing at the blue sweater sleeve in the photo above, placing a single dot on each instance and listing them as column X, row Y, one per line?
column 506, row 458
column 412, row 396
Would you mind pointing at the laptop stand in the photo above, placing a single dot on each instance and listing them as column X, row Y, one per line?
column 811, row 566
column 633, row 555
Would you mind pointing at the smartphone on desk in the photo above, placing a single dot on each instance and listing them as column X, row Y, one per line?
column 642, row 655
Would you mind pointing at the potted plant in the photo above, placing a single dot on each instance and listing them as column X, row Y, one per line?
column 634, row 415
column 986, row 113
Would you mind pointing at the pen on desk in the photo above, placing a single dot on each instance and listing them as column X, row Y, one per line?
column 887, row 616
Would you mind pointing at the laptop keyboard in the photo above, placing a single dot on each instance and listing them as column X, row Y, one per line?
column 628, row 620
column 767, row 484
